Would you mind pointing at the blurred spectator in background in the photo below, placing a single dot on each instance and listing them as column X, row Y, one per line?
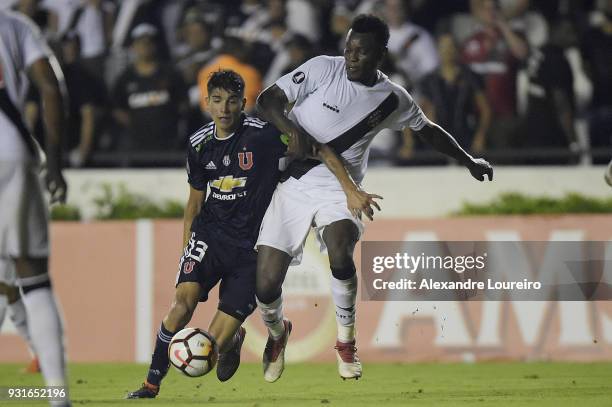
column 300, row 15
column 411, row 46
column 149, row 98
column 597, row 56
column 93, row 20
column 42, row 17
column 233, row 56
column 495, row 51
column 294, row 52
column 86, row 97
column 550, row 114
column 453, row 96
column 199, row 52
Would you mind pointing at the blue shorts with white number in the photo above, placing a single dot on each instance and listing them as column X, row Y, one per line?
column 207, row 263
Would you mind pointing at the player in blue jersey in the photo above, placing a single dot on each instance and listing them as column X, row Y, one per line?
column 239, row 158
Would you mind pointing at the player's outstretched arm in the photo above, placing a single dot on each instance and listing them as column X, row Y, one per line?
column 358, row 201
column 446, row 144
column 47, row 80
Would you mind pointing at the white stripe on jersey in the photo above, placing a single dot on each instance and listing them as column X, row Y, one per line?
column 254, row 122
column 201, row 134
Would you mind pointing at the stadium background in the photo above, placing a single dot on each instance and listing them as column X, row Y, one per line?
column 115, row 278
column 120, row 274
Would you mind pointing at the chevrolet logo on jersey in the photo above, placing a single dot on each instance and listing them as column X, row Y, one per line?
column 228, row 183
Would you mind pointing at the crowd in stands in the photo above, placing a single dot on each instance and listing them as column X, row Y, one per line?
column 520, row 81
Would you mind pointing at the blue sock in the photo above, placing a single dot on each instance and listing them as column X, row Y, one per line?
column 159, row 361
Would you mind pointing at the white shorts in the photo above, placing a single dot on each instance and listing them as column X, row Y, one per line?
column 8, row 273
column 23, row 211
column 295, row 207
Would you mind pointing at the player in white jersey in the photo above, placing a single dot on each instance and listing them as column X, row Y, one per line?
column 24, row 213
column 343, row 102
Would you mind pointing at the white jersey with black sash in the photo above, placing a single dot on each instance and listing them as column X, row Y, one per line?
column 344, row 114
column 21, row 44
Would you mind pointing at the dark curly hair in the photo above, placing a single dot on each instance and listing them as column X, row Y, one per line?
column 370, row 24
column 226, row 79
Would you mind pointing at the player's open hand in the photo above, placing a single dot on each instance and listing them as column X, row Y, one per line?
column 360, row 202
column 479, row 168
column 56, row 185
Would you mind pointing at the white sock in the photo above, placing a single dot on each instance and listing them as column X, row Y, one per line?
column 46, row 332
column 344, row 293
column 272, row 316
column 3, row 306
column 17, row 313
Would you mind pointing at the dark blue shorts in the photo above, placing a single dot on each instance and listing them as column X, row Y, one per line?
column 207, row 264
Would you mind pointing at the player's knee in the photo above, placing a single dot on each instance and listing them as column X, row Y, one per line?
column 340, row 253
column 267, row 289
column 180, row 314
column 340, row 239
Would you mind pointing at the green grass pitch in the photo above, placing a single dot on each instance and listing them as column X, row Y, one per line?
column 383, row 385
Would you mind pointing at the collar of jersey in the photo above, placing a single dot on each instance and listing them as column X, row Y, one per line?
column 242, row 118
column 380, row 77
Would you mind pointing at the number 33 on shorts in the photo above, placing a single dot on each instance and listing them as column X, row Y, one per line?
column 195, row 250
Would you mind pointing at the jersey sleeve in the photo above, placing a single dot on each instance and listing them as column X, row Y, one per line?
column 33, row 46
column 305, row 79
column 196, row 175
column 409, row 113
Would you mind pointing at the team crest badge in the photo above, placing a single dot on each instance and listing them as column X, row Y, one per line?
column 226, row 161
column 298, row 77
column 188, row 267
column 245, row 160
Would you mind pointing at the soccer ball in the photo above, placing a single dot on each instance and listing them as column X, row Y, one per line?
column 193, row 352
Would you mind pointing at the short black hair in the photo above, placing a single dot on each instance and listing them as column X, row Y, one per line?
column 226, row 79
column 370, row 24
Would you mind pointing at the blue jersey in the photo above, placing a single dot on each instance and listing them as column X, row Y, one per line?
column 242, row 171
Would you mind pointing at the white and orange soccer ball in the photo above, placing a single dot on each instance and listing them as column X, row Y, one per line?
column 193, row 352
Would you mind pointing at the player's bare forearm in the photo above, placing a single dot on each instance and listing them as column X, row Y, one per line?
column 335, row 164
column 358, row 201
column 48, row 78
column 45, row 79
column 446, row 144
column 192, row 209
column 443, row 142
